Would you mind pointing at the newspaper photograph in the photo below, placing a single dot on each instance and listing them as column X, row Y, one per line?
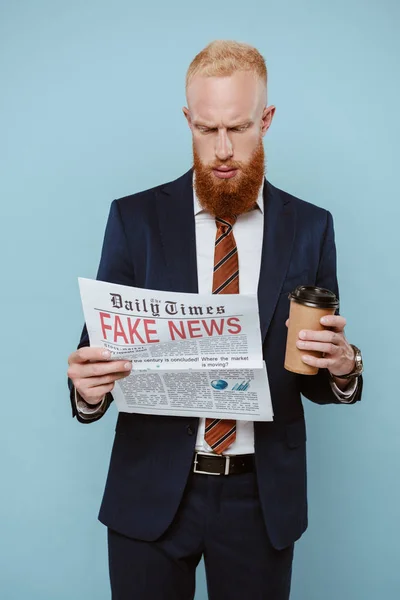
column 192, row 354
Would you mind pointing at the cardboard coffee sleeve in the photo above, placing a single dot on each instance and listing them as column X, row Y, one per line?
column 307, row 305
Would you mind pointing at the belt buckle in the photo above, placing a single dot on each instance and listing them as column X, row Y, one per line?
column 227, row 464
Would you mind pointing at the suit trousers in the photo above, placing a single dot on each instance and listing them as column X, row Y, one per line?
column 220, row 519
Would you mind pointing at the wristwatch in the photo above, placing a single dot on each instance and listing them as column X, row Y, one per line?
column 358, row 367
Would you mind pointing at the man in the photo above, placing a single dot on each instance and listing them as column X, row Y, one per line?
column 163, row 505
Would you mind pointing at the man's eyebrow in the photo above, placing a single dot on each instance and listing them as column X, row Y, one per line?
column 204, row 124
column 242, row 124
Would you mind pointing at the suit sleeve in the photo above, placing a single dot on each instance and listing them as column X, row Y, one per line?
column 115, row 267
column 318, row 388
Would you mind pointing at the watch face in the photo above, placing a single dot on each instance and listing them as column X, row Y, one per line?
column 359, row 361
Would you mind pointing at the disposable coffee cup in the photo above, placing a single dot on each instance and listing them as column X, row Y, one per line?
column 307, row 305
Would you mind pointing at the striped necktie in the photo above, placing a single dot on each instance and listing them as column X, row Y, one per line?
column 221, row 433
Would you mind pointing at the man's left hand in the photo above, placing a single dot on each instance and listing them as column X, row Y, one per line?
column 338, row 355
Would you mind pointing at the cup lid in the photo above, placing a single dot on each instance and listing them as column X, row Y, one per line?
column 317, row 297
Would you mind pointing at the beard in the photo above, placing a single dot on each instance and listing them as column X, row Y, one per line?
column 234, row 196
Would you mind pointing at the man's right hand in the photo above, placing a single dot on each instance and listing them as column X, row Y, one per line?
column 94, row 374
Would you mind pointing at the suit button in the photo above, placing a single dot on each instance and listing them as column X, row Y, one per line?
column 190, row 430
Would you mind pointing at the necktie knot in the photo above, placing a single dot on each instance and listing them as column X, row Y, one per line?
column 225, row 223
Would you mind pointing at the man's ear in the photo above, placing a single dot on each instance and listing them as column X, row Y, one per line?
column 268, row 115
column 187, row 116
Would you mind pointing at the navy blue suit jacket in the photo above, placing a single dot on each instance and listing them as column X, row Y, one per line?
column 150, row 243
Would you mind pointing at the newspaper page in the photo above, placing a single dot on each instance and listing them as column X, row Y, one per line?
column 192, row 354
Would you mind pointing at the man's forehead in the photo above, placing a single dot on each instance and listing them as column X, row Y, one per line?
column 211, row 98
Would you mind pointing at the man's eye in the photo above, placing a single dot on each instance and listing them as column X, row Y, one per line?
column 239, row 129
column 205, row 130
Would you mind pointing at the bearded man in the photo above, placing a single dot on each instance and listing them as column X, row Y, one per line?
column 163, row 505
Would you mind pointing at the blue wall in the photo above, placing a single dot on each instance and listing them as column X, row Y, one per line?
column 90, row 109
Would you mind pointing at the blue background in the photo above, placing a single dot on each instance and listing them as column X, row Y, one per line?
column 90, row 110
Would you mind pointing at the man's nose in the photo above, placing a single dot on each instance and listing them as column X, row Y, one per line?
column 223, row 149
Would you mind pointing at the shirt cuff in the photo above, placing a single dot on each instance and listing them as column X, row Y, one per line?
column 345, row 396
column 85, row 410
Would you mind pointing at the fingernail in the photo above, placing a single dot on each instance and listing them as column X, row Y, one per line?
column 128, row 365
column 324, row 320
column 302, row 334
column 106, row 353
column 305, row 358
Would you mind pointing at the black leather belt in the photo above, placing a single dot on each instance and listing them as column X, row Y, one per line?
column 206, row 464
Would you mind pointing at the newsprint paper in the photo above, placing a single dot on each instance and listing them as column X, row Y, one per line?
column 192, row 354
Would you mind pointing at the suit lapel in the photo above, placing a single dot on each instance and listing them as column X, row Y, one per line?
column 279, row 230
column 178, row 236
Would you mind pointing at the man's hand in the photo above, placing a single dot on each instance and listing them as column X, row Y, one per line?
column 93, row 374
column 338, row 355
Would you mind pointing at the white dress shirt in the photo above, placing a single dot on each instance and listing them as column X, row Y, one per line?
column 248, row 232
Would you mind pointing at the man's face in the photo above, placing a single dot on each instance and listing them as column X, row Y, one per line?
column 228, row 119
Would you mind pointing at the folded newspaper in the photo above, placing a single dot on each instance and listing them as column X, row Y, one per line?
column 192, row 354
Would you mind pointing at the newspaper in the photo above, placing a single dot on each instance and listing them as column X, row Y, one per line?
column 192, row 354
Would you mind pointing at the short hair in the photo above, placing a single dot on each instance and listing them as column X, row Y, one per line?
column 222, row 58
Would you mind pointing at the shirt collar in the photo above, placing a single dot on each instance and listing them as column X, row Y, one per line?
column 198, row 208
